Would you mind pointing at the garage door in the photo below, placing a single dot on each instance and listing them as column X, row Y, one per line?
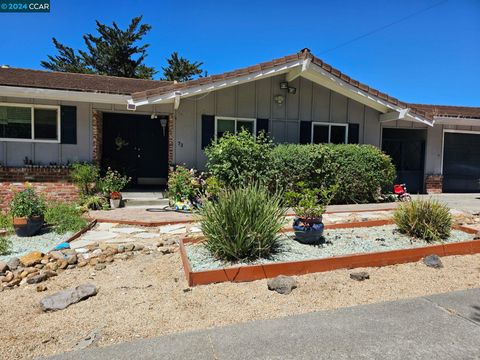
column 461, row 162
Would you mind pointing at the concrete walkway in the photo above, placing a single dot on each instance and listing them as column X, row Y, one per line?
column 445, row 326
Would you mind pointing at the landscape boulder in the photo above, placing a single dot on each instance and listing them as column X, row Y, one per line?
column 3, row 267
column 31, row 259
column 63, row 299
column 13, row 263
column 359, row 276
column 282, row 284
column 433, row 261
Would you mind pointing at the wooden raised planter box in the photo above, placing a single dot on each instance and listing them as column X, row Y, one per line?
column 263, row 271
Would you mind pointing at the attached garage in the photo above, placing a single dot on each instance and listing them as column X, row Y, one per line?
column 461, row 161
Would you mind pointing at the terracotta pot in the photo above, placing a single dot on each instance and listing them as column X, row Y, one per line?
column 27, row 226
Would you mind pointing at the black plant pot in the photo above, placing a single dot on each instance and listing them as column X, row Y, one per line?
column 27, row 226
column 308, row 234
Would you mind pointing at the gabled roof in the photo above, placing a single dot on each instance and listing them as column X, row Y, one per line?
column 75, row 82
column 295, row 59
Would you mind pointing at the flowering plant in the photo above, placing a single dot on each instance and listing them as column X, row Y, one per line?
column 115, row 195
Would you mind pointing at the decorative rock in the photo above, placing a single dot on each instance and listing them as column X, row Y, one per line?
column 41, row 287
column 8, row 277
column 31, row 259
column 35, row 279
column 122, row 256
column 62, row 264
column 167, row 251
column 93, row 262
column 138, row 247
column 50, row 273
column 109, row 259
column 100, row 267
column 63, row 299
column 39, row 266
column 69, row 267
column 129, row 247
column 13, row 263
column 57, row 255
column 91, row 339
column 121, row 249
column 53, row 266
column 81, row 250
column 72, row 259
column 14, row 282
column 82, row 263
column 359, row 276
column 282, row 284
column 170, row 242
column 96, row 253
column 101, row 259
column 3, row 267
column 433, row 261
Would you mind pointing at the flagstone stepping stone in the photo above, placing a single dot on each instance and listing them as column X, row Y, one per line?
column 105, row 226
column 99, row 235
column 173, row 229
column 127, row 230
column 81, row 243
column 195, row 229
column 146, row 235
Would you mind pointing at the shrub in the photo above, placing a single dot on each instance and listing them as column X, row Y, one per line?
column 429, row 220
column 113, row 181
column 94, row 202
column 243, row 223
column 238, row 159
column 85, row 176
column 5, row 246
column 26, row 203
column 65, row 217
column 182, row 184
column 6, row 221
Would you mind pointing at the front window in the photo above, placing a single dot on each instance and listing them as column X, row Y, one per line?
column 233, row 125
column 326, row 133
column 29, row 122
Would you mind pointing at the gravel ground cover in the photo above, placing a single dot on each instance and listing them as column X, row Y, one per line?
column 337, row 242
column 43, row 242
column 149, row 296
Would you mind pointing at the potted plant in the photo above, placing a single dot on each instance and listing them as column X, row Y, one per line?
column 115, row 199
column 27, row 209
column 112, row 184
column 309, row 206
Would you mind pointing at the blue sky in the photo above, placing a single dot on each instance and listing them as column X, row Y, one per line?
column 431, row 57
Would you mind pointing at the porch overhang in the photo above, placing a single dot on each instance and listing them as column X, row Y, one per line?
column 461, row 121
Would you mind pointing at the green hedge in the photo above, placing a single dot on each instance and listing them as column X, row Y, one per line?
column 361, row 171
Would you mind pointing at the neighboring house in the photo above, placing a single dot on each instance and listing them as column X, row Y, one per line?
column 142, row 126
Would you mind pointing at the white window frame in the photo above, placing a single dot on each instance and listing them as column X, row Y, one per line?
column 472, row 132
column 329, row 130
column 236, row 119
column 32, row 110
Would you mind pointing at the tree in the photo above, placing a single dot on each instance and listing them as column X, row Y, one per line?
column 181, row 69
column 66, row 60
column 113, row 52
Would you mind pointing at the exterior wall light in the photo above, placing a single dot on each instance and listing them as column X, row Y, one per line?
column 284, row 85
column 279, row 99
column 292, row 90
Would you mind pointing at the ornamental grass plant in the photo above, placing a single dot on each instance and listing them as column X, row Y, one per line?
column 428, row 220
column 243, row 223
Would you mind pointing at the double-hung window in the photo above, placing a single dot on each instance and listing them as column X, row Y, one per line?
column 233, row 125
column 325, row 133
column 20, row 122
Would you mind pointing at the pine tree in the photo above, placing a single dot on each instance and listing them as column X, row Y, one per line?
column 113, row 52
column 181, row 69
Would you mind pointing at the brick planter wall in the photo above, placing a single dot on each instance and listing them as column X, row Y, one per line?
column 434, row 184
column 51, row 182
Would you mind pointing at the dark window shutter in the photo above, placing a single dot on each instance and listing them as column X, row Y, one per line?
column 305, row 132
column 68, row 124
column 208, row 130
column 353, row 133
column 262, row 125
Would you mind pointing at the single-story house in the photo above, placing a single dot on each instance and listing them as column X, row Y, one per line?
column 51, row 119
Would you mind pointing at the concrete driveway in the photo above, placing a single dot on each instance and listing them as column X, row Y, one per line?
column 445, row 326
column 465, row 202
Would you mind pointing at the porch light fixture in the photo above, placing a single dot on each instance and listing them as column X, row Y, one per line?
column 153, row 116
column 279, row 99
column 292, row 90
column 284, row 85
column 163, row 123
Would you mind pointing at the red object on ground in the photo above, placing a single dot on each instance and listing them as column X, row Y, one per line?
column 399, row 189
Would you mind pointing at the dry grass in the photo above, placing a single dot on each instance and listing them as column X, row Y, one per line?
column 144, row 297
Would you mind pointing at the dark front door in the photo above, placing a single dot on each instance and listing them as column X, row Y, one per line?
column 406, row 147
column 461, row 162
column 137, row 146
